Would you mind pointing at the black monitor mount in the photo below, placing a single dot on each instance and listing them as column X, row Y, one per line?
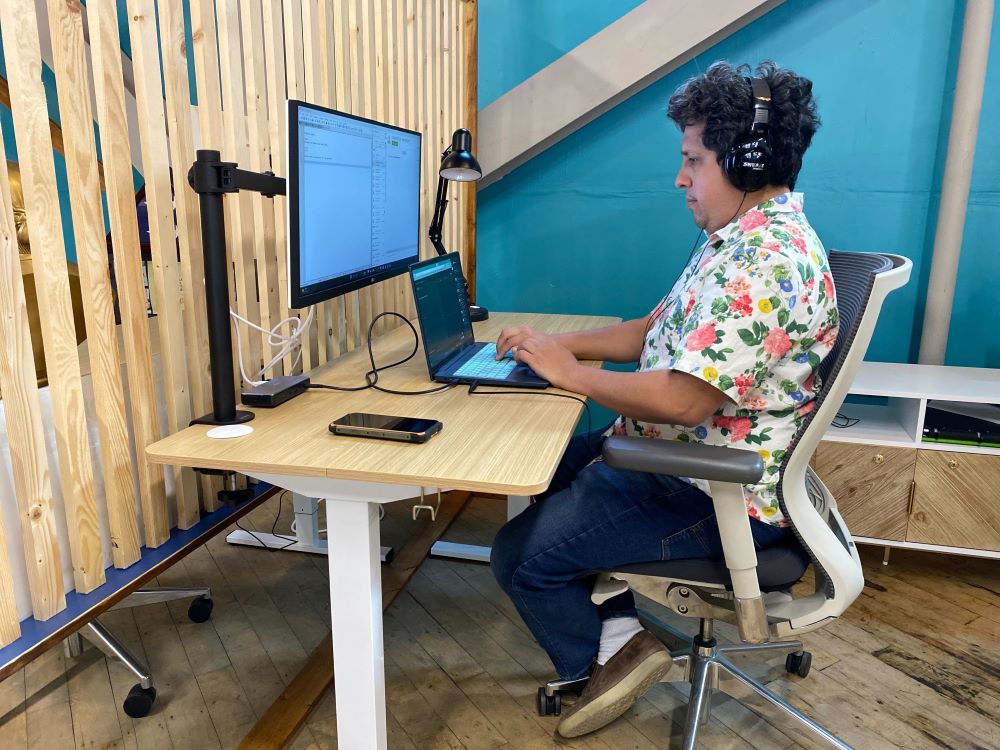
column 211, row 178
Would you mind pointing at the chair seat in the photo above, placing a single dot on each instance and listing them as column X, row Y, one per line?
column 778, row 567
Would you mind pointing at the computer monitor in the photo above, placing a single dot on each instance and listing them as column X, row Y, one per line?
column 353, row 202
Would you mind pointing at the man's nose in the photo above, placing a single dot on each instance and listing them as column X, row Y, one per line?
column 681, row 180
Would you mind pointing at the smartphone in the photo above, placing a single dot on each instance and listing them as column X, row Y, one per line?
column 406, row 429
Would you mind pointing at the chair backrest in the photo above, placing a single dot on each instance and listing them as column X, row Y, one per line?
column 862, row 281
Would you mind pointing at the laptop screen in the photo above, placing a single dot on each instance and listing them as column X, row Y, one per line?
column 443, row 308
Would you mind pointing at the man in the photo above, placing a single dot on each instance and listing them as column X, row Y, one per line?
column 728, row 357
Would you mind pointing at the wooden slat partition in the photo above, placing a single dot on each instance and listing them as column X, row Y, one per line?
column 70, row 63
column 28, row 107
column 403, row 62
column 162, row 235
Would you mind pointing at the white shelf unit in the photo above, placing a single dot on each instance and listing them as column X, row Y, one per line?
column 908, row 389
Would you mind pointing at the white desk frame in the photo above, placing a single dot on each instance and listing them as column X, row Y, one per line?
column 354, row 558
column 352, row 516
column 307, row 533
column 515, row 504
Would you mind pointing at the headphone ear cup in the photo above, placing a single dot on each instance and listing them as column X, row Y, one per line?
column 747, row 162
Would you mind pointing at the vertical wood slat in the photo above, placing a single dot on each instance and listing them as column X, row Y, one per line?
column 182, row 151
column 163, row 243
column 469, row 63
column 316, row 92
column 397, row 112
column 239, row 207
column 413, row 97
column 23, row 57
column 348, row 93
column 376, row 53
column 329, row 55
column 295, row 77
column 173, row 48
column 260, row 160
column 206, row 66
column 110, row 88
column 274, row 64
column 70, row 68
column 23, row 415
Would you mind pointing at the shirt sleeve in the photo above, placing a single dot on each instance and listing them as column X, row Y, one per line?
column 740, row 321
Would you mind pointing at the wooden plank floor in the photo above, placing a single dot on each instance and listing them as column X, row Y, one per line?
column 914, row 664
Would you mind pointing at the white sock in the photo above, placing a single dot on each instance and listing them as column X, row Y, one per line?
column 615, row 633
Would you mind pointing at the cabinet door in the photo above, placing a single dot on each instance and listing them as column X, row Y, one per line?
column 957, row 500
column 871, row 485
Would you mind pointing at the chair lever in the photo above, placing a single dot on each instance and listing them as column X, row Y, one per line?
column 607, row 586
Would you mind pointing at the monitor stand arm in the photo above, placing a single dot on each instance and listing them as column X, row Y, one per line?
column 476, row 313
column 211, row 178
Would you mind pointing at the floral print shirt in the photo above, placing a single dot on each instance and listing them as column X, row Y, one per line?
column 753, row 313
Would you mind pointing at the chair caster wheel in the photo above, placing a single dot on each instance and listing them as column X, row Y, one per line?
column 200, row 609
column 139, row 701
column 549, row 705
column 798, row 663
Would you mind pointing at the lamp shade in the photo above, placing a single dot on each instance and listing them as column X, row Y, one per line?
column 458, row 163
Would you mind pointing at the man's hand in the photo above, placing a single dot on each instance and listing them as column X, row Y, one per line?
column 549, row 359
column 512, row 338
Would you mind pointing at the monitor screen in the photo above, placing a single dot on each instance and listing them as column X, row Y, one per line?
column 353, row 202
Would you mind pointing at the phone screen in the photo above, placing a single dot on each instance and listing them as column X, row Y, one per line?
column 384, row 422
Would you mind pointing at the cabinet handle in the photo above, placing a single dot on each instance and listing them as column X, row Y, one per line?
column 879, row 458
column 909, row 502
column 952, row 463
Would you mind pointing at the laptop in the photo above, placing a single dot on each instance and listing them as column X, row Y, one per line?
column 453, row 355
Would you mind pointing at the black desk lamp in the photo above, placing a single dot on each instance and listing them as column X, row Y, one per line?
column 458, row 164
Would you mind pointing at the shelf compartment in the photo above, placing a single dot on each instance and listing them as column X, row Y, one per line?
column 895, row 424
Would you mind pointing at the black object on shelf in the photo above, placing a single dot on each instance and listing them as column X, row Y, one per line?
column 211, row 178
column 459, row 165
column 945, row 425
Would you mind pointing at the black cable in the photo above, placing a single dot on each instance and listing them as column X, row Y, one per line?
column 846, row 421
column 372, row 376
column 273, row 526
column 474, row 390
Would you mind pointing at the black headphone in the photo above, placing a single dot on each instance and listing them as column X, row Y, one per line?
column 746, row 164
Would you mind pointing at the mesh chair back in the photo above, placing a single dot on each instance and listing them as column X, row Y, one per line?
column 854, row 277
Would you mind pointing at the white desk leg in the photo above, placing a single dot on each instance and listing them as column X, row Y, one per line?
column 356, row 620
column 515, row 504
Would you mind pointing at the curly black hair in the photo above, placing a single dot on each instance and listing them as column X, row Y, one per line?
column 722, row 100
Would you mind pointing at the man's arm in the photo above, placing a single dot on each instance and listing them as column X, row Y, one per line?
column 620, row 343
column 660, row 396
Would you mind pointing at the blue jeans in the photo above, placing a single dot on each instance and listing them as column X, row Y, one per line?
column 594, row 518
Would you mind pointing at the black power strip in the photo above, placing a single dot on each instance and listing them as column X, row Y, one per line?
column 276, row 391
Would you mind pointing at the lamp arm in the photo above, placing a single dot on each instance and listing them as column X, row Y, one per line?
column 439, row 206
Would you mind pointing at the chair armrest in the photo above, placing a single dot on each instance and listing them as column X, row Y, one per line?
column 727, row 470
column 694, row 460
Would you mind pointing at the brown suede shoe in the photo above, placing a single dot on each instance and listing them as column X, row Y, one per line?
column 613, row 688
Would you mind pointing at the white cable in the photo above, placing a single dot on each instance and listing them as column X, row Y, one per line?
column 274, row 338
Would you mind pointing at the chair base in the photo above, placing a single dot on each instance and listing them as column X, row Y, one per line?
column 140, row 698
column 704, row 665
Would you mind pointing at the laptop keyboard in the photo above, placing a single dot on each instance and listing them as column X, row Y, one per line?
column 484, row 365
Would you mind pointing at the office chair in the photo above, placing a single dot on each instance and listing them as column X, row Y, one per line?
column 731, row 588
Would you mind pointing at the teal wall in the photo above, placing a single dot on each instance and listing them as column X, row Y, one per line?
column 594, row 224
